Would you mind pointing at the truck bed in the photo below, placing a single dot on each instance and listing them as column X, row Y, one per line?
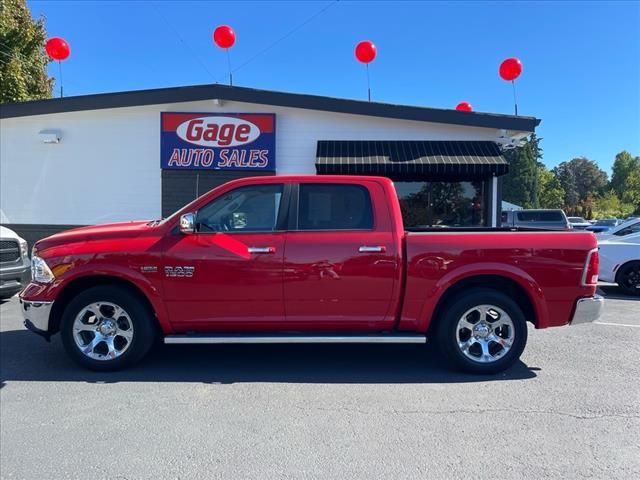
column 549, row 263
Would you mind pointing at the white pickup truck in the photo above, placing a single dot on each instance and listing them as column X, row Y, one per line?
column 15, row 267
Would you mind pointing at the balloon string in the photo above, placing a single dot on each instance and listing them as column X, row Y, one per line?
column 515, row 101
column 60, row 73
column 368, row 83
column 229, row 67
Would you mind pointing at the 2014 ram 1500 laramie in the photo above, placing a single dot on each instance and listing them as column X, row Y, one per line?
column 306, row 259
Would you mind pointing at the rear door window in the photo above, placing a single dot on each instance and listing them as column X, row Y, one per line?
column 549, row 216
column 324, row 206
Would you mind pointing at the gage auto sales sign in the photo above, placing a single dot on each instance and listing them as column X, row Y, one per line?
column 218, row 141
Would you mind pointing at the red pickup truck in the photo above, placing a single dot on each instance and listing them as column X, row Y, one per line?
column 306, row 259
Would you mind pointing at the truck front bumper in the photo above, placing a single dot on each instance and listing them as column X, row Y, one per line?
column 14, row 278
column 588, row 310
column 36, row 316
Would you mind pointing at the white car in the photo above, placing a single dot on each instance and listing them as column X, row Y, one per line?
column 620, row 262
column 629, row 227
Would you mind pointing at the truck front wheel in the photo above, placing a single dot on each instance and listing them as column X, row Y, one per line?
column 107, row 328
column 482, row 332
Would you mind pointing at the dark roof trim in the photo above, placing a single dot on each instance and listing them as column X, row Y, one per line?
column 266, row 97
column 411, row 159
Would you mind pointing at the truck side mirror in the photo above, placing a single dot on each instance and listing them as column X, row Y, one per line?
column 187, row 223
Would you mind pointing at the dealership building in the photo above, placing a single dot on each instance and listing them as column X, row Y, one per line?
column 143, row 154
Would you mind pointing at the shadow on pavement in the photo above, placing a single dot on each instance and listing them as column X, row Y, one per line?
column 25, row 357
column 616, row 293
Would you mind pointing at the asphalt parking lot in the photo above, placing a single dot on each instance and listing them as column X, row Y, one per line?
column 569, row 409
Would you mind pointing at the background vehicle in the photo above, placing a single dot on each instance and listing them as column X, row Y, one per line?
column 15, row 269
column 604, row 225
column 578, row 223
column 628, row 227
column 547, row 219
column 620, row 262
column 306, row 259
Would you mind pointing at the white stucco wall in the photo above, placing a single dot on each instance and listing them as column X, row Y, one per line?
column 107, row 166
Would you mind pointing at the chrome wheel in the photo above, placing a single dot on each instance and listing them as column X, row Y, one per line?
column 103, row 331
column 485, row 333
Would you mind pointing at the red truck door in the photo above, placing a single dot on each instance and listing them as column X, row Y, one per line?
column 228, row 274
column 341, row 261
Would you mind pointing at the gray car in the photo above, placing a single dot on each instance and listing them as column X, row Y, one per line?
column 545, row 219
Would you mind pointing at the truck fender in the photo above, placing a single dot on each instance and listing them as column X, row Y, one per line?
column 517, row 275
column 128, row 275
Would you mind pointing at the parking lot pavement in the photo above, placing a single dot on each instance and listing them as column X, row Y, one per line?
column 570, row 409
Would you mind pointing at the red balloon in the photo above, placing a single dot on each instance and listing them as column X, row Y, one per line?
column 464, row 107
column 224, row 36
column 366, row 51
column 57, row 48
column 510, row 69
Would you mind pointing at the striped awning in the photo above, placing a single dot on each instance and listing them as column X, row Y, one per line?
column 410, row 159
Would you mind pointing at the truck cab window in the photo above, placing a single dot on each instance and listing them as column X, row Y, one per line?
column 245, row 209
column 334, row 207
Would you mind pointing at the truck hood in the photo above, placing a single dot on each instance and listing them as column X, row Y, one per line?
column 95, row 232
column 8, row 233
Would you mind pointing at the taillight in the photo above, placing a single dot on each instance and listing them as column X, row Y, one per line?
column 590, row 271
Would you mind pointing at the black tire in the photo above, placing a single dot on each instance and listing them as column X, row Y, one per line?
column 628, row 278
column 142, row 321
column 447, row 331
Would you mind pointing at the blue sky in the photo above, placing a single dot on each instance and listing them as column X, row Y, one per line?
column 581, row 59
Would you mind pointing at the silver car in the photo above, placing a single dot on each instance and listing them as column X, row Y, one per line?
column 578, row 223
column 544, row 219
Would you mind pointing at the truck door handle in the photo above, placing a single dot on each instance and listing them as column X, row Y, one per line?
column 372, row 249
column 262, row 249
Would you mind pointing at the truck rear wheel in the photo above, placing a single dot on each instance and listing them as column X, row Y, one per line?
column 107, row 328
column 482, row 332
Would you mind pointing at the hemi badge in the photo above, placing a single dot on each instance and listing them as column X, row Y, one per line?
column 148, row 269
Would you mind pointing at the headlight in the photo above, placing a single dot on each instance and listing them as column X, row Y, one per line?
column 40, row 271
column 24, row 248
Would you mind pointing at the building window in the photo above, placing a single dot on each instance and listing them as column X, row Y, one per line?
column 443, row 204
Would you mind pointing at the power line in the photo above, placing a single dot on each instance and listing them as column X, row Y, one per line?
column 285, row 36
column 177, row 33
column 246, row 62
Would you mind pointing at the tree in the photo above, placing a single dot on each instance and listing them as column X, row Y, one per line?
column 609, row 205
column 550, row 192
column 520, row 186
column 580, row 178
column 623, row 166
column 631, row 194
column 23, row 62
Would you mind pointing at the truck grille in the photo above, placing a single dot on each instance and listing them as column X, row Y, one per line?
column 9, row 251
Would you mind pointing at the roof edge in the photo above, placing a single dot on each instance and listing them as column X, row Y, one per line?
column 194, row 93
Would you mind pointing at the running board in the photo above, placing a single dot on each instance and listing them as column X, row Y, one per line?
column 206, row 338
